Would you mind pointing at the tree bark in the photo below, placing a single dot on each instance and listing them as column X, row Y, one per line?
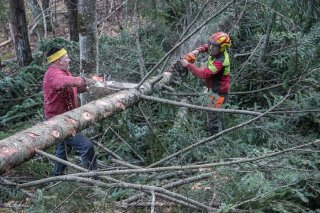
column 267, row 36
column 72, row 6
column 87, row 25
column 20, row 32
column 20, row 147
column 88, row 36
column 47, row 14
column 139, row 51
column 36, row 14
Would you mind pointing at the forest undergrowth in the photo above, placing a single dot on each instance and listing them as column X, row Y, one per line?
column 270, row 164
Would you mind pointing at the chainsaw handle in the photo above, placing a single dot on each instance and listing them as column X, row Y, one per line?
column 177, row 66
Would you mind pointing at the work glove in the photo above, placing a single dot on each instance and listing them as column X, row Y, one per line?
column 190, row 57
column 195, row 52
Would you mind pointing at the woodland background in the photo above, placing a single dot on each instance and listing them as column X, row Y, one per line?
column 275, row 59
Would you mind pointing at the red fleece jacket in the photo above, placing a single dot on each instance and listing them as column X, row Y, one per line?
column 60, row 91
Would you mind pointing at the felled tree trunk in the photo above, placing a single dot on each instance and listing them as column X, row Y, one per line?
column 20, row 147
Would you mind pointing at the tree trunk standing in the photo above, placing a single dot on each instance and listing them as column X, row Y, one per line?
column 72, row 6
column 47, row 14
column 36, row 17
column 107, row 8
column 89, row 64
column 267, row 35
column 184, row 26
column 189, row 14
column 88, row 37
column 139, row 51
column 20, row 32
column 154, row 5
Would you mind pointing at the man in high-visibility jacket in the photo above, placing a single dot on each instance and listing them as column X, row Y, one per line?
column 216, row 74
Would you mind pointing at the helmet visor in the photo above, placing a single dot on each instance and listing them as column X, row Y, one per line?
column 213, row 48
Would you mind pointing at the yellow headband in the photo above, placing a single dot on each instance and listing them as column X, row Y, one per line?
column 56, row 55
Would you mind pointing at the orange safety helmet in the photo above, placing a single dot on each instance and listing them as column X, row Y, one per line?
column 221, row 39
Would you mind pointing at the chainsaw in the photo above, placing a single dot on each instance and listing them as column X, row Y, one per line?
column 103, row 81
column 181, row 70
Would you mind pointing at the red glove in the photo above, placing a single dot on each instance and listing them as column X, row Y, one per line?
column 190, row 57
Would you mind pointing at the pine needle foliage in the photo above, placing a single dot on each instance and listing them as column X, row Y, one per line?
column 285, row 183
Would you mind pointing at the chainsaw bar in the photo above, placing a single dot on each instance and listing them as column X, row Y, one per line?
column 181, row 70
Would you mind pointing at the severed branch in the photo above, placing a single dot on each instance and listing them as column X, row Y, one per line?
column 170, row 186
column 84, row 170
column 170, row 199
column 125, row 164
column 67, row 198
column 262, row 195
column 125, row 142
column 170, row 168
column 176, row 103
column 9, row 183
column 177, row 201
column 153, row 200
column 216, row 135
column 118, row 159
column 71, row 164
column 121, row 184
column 146, row 119
column 64, row 162
column 107, row 150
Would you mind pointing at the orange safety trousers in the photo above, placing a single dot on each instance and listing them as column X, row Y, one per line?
column 216, row 101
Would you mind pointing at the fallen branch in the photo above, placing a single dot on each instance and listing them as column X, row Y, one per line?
column 9, row 183
column 139, row 187
column 67, row 198
column 170, row 168
column 125, row 142
column 107, row 150
column 215, row 136
column 170, row 186
column 181, row 104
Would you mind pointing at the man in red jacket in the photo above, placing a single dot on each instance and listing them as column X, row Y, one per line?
column 60, row 91
column 216, row 74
